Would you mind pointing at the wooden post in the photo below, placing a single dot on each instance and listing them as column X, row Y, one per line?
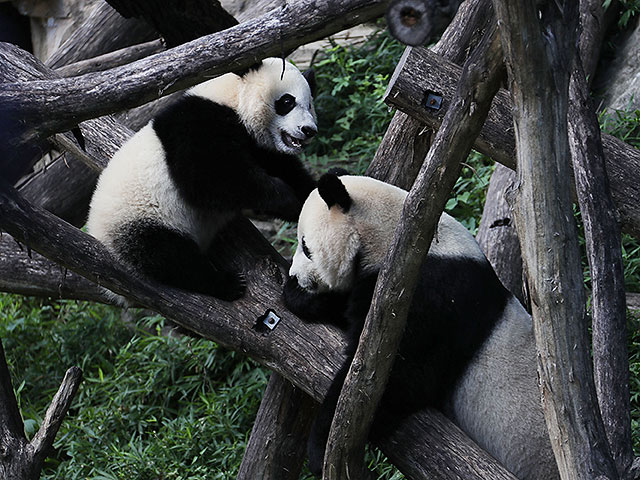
column 539, row 81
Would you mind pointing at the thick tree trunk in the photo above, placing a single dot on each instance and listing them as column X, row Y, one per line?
column 602, row 235
column 277, row 446
column 548, row 233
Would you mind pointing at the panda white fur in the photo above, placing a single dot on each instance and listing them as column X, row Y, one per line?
column 468, row 349
column 228, row 144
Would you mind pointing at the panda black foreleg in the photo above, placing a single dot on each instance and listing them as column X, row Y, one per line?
column 176, row 260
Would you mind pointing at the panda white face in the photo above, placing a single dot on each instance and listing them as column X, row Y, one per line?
column 275, row 103
column 345, row 224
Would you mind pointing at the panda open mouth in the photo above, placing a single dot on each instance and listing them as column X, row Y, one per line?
column 292, row 142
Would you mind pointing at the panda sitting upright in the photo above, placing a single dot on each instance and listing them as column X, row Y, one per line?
column 228, row 144
column 468, row 349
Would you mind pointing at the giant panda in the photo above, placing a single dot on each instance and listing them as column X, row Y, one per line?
column 468, row 349
column 228, row 144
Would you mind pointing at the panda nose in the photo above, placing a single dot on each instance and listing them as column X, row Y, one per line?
column 309, row 132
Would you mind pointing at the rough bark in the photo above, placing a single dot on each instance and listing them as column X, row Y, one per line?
column 104, row 31
column 497, row 234
column 26, row 272
column 387, row 316
column 277, row 446
column 35, row 110
column 497, row 140
column 308, row 355
column 406, row 141
column 548, row 234
column 602, row 236
column 98, row 63
column 19, row 458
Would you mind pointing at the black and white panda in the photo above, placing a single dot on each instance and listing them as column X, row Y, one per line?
column 468, row 349
column 228, row 144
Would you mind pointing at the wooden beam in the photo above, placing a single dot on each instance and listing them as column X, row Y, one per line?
column 433, row 74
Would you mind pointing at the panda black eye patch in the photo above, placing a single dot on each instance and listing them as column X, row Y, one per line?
column 305, row 249
column 285, row 104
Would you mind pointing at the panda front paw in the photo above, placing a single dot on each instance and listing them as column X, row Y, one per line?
column 229, row 286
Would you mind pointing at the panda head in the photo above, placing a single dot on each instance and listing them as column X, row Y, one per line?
column 275, row 103
column 346, row 224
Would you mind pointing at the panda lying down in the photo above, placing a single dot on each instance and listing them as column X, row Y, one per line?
column 468, row 348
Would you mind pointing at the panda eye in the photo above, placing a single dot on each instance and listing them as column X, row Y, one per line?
column 285, row 104
column 305, row 250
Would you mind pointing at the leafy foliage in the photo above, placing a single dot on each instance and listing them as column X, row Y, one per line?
column 351, row 115
column 151, row 406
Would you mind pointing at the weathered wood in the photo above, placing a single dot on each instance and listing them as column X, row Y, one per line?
column 178, row 22
column 432, row 73
column 26, row 272
column 104, row 31
column 497, row 234
column 384, row 326
column 283, row 421
column 538, row 43
column 307, row 354
column 602, row 236
column 19, row 458
column 98, row 63
column 406, row 141
column 38, row 109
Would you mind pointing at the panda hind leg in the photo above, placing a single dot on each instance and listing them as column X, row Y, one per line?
column 174, row 259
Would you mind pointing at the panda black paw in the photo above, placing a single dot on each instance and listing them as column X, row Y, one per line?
column 229, row 286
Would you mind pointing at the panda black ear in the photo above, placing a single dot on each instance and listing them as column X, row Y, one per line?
column 310, row 76
column 332, row 191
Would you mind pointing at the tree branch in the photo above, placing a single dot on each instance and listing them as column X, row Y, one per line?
column 385, row 322
column 602, row 235
column 537, row 63
column 36, row 110
column 20, row 459
column 99, row 63
column 284, row 420
column 309, row 355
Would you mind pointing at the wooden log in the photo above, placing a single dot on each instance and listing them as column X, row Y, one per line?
column 277, row 444
column 104, row 31
column 98, row 63
column 497, row 234
column 307, row 354
column 415, row 22
column 38, row 109
column 537, row 45
column 602, row 237
column 26, row 272
column 384, row 326
column 433, row 74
